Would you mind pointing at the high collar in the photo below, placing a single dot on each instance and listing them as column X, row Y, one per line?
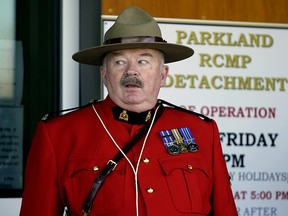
column 130, row 117
column 123, row 115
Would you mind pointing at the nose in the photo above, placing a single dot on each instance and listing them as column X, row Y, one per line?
column 132, row 69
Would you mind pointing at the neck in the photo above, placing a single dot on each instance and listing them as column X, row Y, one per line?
column 135, row 107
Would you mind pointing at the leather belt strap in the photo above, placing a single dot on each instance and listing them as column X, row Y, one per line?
column 111, row 164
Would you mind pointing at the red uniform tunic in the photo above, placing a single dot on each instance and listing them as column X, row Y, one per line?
column 68, row 151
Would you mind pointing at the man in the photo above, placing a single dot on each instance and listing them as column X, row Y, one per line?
column 175, row 166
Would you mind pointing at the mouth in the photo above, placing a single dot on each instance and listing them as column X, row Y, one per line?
column 131, row 86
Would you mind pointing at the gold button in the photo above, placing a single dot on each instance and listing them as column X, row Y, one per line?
column 190, row 167
column 95, row 168
column 146, row 160
column 150, row 190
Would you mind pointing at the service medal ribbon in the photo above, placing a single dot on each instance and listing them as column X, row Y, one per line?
column 169, row 142
column 188, row 139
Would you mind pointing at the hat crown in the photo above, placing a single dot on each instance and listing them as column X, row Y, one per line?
column 133, row 22
column 133, row 29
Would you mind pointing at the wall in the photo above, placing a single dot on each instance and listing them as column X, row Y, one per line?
column 275, row 11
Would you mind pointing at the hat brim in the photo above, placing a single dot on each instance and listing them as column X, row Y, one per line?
column 95, row 55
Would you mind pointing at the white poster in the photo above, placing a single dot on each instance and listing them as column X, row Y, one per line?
column 11, row 147
column 238, row 76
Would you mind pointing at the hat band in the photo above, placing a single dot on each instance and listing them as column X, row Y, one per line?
column 138, row 39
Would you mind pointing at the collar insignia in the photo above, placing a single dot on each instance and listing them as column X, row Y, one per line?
column 124, row 116
column 148, row 116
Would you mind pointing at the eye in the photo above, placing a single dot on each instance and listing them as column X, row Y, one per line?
column 119, row 62
column 142, row 62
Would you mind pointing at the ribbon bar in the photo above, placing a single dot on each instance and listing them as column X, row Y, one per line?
column 179, row 140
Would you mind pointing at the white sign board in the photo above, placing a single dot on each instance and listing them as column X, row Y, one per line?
column 239, row 77
column 11, row 147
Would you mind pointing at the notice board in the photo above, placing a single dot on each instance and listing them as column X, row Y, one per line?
column 239, row 77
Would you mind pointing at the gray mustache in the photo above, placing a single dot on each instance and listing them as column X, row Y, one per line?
column 131, row 80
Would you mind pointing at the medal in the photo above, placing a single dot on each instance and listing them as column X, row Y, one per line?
column 169, row 142
column 179, row 140
column 189, row 139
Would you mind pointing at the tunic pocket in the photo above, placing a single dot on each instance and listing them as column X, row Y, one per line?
column 82, row 173
column 189, row 183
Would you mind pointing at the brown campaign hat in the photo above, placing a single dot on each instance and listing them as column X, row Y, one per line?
column 134, row 28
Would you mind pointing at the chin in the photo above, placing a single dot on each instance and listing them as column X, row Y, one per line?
column 133, row 101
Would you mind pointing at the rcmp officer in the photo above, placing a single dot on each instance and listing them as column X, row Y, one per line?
column 131, row 153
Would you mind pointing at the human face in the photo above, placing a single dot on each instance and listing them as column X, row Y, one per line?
column 134, row 77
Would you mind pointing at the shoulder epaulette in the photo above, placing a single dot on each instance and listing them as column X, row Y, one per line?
column 205, row 118
column 52, row 115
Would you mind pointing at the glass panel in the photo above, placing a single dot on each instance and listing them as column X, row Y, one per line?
column 11, row 110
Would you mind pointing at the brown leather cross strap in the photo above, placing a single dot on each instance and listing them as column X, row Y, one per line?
column 111, row 164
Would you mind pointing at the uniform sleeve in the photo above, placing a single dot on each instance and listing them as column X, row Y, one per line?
column 222, row 199
column 41, row 194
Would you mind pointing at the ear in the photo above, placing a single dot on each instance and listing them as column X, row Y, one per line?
column 103, row 77
column 164, row 73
